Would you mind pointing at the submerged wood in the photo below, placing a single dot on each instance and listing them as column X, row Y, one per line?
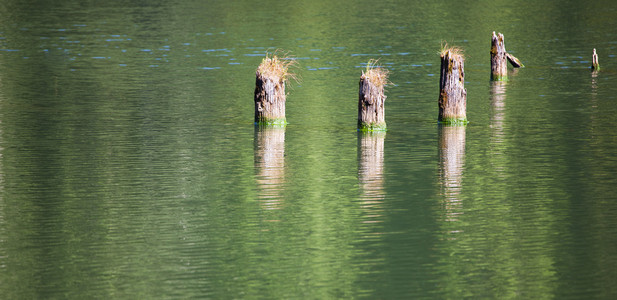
column 514, row 61
column 595, row 65
column 371, row 99
column 452, row 92
column 500, row 58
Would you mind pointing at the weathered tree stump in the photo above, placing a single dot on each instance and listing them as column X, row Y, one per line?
column 270, row 97
column 452, row 92
column 371, row 110
column 595, row 65
column 499, row 63
column 500, row 58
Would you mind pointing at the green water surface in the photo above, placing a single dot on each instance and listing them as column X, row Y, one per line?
column 130, row 167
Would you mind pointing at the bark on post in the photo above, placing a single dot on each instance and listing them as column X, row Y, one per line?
column 452, row 92
column 500, row 58
column 595, row 65
column 270, row 97
column 371, row 99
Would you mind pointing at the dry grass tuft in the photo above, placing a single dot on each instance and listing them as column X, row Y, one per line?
column 278, row 65
column 454, row 51
column 376, row 74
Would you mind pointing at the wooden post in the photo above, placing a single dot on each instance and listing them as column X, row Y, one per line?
column 270, row 96
column 371, row 110
column 499, row 63
column 452, row 92
column 595, row 65
column 500, row 58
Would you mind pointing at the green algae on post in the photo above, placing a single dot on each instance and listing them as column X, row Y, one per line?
column 270, row 97
column 371, row 98
column 452, row 92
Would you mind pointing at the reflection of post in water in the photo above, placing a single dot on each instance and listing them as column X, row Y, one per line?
column 451, row 166
column 594, row 83
column 370, row 173
column 498, row 102
column 497, row 145
column 270, row 164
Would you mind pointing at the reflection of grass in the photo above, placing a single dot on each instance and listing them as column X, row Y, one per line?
column 376, row 75
column 275, row 65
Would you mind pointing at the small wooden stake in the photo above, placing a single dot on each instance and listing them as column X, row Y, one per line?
column 270, row 96
column 371, row 98
column 500, row 58
column 452, row 92
column 595, row 65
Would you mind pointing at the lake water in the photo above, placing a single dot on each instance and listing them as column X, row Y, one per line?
column 130, row 167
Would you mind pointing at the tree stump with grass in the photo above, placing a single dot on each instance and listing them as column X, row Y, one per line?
column 500, row 58
column 270, row 97
column 452, row 92
column 595, row 65
column 371, row 110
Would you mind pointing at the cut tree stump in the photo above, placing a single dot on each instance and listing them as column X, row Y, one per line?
column 371, row 98
column 499, row 64
column 452, row 92
column 270, row 97
column 500, row 58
